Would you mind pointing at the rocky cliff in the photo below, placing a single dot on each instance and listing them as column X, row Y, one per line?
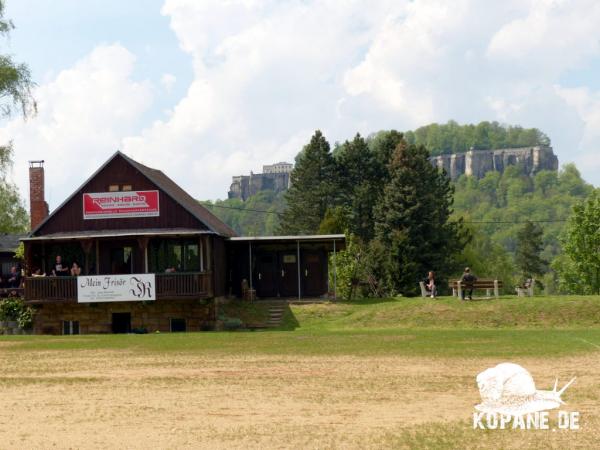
column 479, row 162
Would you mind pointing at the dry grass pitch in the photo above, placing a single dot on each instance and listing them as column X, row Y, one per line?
column 288, row 389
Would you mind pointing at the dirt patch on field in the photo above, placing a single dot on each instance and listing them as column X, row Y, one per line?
column 120, row 399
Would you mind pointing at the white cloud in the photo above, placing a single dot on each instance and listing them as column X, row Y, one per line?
column 84, row 112
column 268, row 73
column 168, row 81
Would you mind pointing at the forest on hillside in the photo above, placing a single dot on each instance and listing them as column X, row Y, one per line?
column 454, row 138
column 341, row 189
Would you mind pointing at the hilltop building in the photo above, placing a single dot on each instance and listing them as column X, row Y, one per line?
column 275, row 177
column 477, row 163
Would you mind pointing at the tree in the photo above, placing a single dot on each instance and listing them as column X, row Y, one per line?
column 15, row 79
column 15, row 94
column 412, row 222
column 13, row 216
column 529, row 249
column 580, row 271
column 312, row 189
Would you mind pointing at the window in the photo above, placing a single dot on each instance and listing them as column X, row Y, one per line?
column 182, row 255
column 126, row 187
column 113, row 188
column 178, row 325
column 70, row 326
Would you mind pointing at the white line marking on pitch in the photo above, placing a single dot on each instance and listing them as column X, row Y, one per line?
column 591, row 343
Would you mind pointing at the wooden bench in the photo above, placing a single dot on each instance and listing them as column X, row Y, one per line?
column 487, row 284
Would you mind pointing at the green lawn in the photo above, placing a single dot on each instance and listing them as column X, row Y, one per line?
column 508, row 327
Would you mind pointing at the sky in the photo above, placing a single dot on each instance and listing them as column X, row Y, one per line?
column 208, row 89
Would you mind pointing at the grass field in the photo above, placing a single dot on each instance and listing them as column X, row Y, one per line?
column 387, row 374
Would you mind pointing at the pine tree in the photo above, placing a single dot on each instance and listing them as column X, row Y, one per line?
column 312, row 188
column 529, row 248
column 412, row 221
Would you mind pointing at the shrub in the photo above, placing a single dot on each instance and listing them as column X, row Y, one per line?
column 14, row 309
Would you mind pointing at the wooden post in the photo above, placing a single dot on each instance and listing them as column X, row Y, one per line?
column 86, row 245
column 298, row 265
column 43, row 257
column 250, row 264
column 97, row 256
column 459, row 288
column 143, row 245
column 334, row 274
column 200, row 252
column 496, row 291
column 209, row 263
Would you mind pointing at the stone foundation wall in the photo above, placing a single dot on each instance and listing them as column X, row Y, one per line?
column 97, row 317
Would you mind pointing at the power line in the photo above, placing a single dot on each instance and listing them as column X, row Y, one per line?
column 478, row 222
column 210, row 205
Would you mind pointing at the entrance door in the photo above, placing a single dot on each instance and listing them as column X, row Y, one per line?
column 288, row 274
column 314, row 273
column 266, row 281
column 121, row 260
column 121, row 322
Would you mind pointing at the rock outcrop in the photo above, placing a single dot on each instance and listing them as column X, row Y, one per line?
column 477, row 163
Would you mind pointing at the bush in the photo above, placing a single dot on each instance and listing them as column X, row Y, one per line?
column 14, row 309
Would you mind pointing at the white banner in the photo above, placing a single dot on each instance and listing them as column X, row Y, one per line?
column 116, row 288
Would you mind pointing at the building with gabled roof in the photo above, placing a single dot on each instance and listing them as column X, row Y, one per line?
column 132, row 250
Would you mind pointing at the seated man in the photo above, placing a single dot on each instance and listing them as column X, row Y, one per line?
column 14, row 279
column 467, row 281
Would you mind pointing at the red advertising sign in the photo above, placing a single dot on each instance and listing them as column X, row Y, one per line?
column 119, row 205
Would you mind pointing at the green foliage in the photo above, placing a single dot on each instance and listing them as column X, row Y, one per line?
column 312, row 189
column 246, row 218
column 362, row 172
column 15, row 79
column 500, row 199
column 579, row 269
column 15, row 93
column 412, row 224
column 350, row 269
column 14, row 309
column 487, row 259
column 13, row 216
column 454, row 138
column 528, row 257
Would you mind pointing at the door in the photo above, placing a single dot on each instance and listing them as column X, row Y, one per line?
column 288, row 274
column 265, row 275
column 314, row 274
column 121, row 322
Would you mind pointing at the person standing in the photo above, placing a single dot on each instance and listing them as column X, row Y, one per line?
column 467, row 281
column 431, row 287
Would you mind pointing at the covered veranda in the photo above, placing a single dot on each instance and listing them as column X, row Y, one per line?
column 284, row 266
column 182, row 260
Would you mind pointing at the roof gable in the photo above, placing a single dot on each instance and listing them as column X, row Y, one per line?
column 179, row 204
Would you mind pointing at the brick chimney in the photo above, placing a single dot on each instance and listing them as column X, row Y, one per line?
column 38, row 208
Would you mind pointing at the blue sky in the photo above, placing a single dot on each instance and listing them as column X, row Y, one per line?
column 209, row 89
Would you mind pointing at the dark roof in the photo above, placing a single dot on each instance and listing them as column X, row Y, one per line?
column 170, row 188
column 10, row 242
column 174, row 191
column 92, row 234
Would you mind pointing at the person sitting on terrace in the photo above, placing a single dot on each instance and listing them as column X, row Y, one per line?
column 14, row 279
column 38, row 273
column 75, row 270
column 170, row 269
column 59, row 268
